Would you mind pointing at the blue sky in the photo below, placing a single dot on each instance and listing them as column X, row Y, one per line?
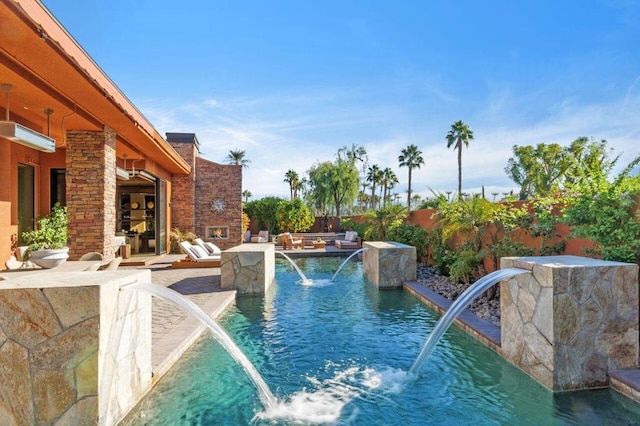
column 290, row 82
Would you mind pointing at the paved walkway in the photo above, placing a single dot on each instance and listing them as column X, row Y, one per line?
column 174, row 330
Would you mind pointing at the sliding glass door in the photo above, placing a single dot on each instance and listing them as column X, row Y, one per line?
column 161, row 216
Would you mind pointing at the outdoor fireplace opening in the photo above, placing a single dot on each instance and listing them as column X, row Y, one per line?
column 217, row 232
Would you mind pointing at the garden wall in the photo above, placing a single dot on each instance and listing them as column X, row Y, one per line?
column 572, row 246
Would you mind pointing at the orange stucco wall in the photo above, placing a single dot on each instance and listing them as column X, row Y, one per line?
column 573, row 246
column 6, row 231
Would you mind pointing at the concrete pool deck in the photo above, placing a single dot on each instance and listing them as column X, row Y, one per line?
column 174, row 331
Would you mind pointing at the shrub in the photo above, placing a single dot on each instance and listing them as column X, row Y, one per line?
column 294, row 216
column 50, row 231
column 177, row 236
column 412, row 235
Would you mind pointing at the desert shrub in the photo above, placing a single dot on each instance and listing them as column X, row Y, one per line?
column 412, row 235
column 177, row 236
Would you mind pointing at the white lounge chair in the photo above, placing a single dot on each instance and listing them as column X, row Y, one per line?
column 263, row 237
column 210, row 248
column 197, row 253
column 112, row 265
column 92, row 255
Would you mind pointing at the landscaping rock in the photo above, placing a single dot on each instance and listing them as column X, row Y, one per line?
column 486, row 307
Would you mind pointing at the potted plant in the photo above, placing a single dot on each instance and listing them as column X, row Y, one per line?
column 48, row 242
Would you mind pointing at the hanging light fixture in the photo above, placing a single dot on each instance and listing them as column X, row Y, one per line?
column 23, row 135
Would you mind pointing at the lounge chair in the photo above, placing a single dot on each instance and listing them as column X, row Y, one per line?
column 289, row 242
column 263, row 237
column 197, row 253
column 210, row 248
column 13, row 263
column 351, row 241
column 92, row 255
column 112, row 265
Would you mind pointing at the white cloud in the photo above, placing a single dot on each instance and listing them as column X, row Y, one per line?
column 291, row 131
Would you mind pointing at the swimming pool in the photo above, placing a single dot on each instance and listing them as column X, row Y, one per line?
column 338, row 353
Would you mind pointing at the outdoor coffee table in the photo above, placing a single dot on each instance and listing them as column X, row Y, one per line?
column 319, row 244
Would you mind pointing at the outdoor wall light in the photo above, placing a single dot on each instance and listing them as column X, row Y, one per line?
column 23, row 135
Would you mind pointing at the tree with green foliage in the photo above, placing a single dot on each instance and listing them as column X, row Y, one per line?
column 374, row 177
column 334, row 184
column 546, row 169
column 379, row 222
column 237, row 157
column 607, row 214
column 389, row 181
column 416, row 200
column 539, row 170
column 353, row 154
column 459, row 134
column 246, row 194
column 292, row 178
column 265, row 211
column 411, row 158
column 294, row 216
column 591, row 162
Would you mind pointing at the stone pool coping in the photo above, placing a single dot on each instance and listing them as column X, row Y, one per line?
column 625, row 382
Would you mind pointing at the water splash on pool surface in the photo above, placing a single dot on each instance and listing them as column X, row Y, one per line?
column 325, row 401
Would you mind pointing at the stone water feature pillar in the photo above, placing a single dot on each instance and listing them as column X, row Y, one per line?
column 389, row 264
column 74, row 348
column 571, row 320
column 248, row 268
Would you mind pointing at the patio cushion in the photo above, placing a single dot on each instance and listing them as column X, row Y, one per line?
column 213, row 249
column 198, row 251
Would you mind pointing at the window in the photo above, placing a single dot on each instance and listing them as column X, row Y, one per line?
column 26, row 191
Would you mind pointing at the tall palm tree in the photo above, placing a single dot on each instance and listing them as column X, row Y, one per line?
column 459, row 134
column 246, row 194
column 410, row 157
column 292, row 178
column 374, row 176
column 389, row 181
column 237, row 157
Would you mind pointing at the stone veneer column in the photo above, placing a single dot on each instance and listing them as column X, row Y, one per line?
column 75, row 348
column 389, row 264
column 248, row 268
column 91, row 191
column 571, row 320
column 183, row 188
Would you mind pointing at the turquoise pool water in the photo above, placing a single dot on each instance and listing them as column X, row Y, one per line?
column 338, row 353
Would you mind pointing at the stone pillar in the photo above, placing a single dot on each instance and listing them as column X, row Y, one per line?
column 183, row 188
column 389, row 264
column 75, row 348
column 571, row 320
column 91, row 192
column 248, row 268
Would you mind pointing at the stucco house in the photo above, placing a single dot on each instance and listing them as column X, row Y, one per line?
column 68, row 134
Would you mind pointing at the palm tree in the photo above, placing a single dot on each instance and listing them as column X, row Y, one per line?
column 374, row 176
column 246, row 194
column 237, row 157
column 410, row 157
column 292, row 178
column 389, row 181
column 459, row 134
